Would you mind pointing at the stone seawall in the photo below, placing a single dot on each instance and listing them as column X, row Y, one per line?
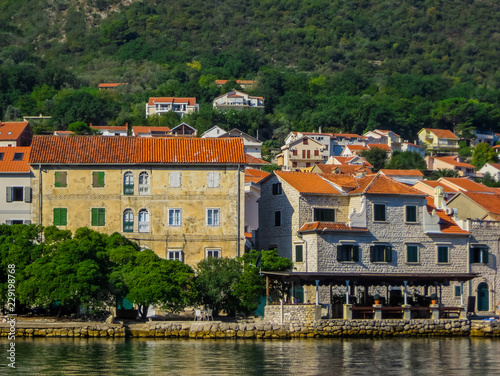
column 264, row 330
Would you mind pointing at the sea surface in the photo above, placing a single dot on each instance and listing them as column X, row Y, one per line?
column 411, row 356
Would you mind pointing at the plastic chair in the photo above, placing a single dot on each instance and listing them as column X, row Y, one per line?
column 197, row 315
column 208, row 315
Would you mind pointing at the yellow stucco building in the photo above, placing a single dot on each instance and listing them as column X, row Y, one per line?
column 182, row 198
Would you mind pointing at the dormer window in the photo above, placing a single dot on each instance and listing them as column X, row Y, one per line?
column 18, row 156
column 1, row 156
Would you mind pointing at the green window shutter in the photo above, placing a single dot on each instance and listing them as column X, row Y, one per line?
column 299, row 256
column 485, row 255
column 388, row 254
column 57, row 179
column 339, row 253
column 57, row 217
column 355, row 253
column 102, row 217
column 60, row 216
column 94, row 179
column 372, row 253
column 95, row 217
column 100, row 176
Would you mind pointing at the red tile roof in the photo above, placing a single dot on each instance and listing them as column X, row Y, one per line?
column 129, row 150
column 489, row 202
column 12, row 130
column 348, row 135
column 446, row 223
column 495, row 165
column 329, row 226
column 145, row 129
column 254, row 160
column 434, row 184
column 355, row 147
column 381, row 184
column 190, row 101
column 347, row 160
column 106, row 85
column 7, row 164
column 389, row 172
column 442, row 133
column 111, row 128
column 253, row 175
column 452, row 161
column 346, row 182
column 464, row 184
column 307, row 182
column 379, row 146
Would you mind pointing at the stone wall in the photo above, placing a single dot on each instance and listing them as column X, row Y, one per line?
column 287, row 313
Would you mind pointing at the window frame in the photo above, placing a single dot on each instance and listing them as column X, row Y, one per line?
column 387, row 253
column 17, row 194
column 100, row 215
column 98, row 179
column 145, row 223
column 415, row 213
column 378, row 204
column 217, row 251
column 128, row 186
column 174, row 222
column 277, row 218
column 417, row 254
column 60, row 211
column 301, row 258
column 277, row 189
column 214, row 219
column 128, row 225
column 175, row 252
column 60, row 179
column 319, row 210
column 348, row 252
column 440, row 254
column 482, row 256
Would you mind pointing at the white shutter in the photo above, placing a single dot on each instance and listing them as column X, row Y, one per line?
column 216, row 179
column 27, row 194
column 27, row 222
column 210, row 179
column 9, row 194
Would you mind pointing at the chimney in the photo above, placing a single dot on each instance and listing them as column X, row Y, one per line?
column 319, row 129
column 439, row 198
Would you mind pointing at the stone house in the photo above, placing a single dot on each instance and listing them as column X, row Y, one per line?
column 162, row 105
column 15, row 185
column 452, row 163
column 302, row 153
column 106, row 130
column 237, row 100
column 340, row 224
column 253, row 146
column 181, row 197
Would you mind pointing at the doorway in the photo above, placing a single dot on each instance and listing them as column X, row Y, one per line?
column 483, row 301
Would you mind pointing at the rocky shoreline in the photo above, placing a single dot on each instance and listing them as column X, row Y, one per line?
column 258, row 329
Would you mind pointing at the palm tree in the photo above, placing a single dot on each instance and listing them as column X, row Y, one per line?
column 443, row 173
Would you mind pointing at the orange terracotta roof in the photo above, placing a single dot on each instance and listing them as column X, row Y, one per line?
column 12, row 130
column 446, row 223
column 307, row 182
column 452, row 161
column 414, row 145
column 347, row 160
column 464, row 184
column 221, row 82
column 254, row 160
column 351, row 169
column 488, row 201
column 355, row 147
column 145, row 129
column 496, row 147
column 434, row 184
column 7, row 164
column 112, row 84
column 389, row 172
column 442, row 133
column 348, row 135
column 190, row 101
column 63, row 133
column 379, row 146
column 346, row 182
column 253, row 175
column 329, row 226
column 111, row 128
column 245, row 82
column 131, row 150
column 381, row 184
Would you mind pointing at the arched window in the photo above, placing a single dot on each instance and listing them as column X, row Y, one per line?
column 128, row 220
column 143, row 221
column 128, row 183
column 144, row 183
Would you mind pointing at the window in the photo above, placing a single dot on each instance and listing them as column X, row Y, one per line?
column 128, row 183
column 213, row 179
column 60, row 216
column 98, row 179
column 17, row 194
column 128, row 220
column 60, row 179
column 299, row 253
column 347, row 252
column 213, row 217
column 1, row 156
column 303, row 154
column 305, row 141
column 324, row 215
column 379, row 212
column 98, row 217
column 479, row 254
column 294, row 164
column 174, row 179
column 442, row 254
column 144, row 183
column 175, row 255
column 294, row 152
column 411, row 213
column 213, row 253
column 18, row 157
column 143, row 221
column 277, row 218
column 316, row 153
column 380, row 253
column 277, row 190
column 174, row 217
column 458, row 290
column 411, row 253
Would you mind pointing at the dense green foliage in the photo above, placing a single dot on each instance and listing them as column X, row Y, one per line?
column 483, row 153
column 343, row 65
column 407, row 160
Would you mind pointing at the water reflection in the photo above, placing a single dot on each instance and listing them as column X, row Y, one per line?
column 416, row 356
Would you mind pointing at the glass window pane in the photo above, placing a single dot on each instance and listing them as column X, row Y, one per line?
column 411, row 253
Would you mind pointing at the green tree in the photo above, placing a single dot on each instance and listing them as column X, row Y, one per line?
column 407, row 160
column 376, row 156
column 146, row 279
column 80, row 128
column 443, row 173
column 483, row 153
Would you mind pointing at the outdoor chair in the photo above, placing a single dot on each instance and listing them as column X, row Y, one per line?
column 197, row 315
column 208, row 315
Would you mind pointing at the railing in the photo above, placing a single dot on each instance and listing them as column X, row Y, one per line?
column 143, row 226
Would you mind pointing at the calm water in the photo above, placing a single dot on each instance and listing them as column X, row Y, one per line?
column 420, row 356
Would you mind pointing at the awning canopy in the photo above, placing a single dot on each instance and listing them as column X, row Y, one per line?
column 371, row 279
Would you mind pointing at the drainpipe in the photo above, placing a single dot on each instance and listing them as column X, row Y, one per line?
column 39, row 194
column 239, row 214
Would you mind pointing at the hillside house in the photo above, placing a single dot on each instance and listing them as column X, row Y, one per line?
column 162, row 105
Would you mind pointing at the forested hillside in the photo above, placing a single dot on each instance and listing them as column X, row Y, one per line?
column 342, row 65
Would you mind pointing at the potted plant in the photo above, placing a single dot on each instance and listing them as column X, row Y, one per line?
column 376, row 297
column 434, row 298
